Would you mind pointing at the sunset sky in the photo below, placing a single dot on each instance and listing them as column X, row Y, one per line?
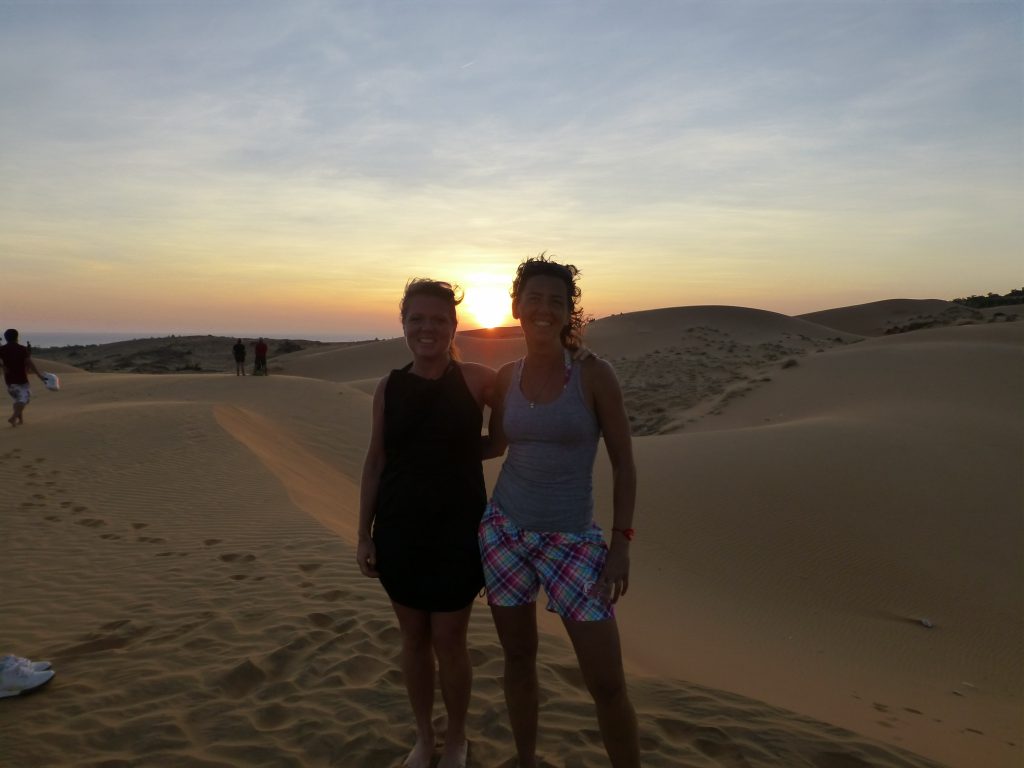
column 281, row 168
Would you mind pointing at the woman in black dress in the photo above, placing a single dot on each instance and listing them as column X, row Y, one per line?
column 421, row 500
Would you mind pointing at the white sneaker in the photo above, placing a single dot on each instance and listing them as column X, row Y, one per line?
column 19, row 676
column 37, row 666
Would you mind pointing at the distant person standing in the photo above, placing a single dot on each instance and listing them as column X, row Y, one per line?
column 260, row 366
column 16, row 361
column 239, row 352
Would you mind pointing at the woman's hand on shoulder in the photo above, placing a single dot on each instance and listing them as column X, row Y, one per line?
column 499, row 385
column 480, row 380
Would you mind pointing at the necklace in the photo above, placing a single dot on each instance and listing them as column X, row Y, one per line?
column 567, row 374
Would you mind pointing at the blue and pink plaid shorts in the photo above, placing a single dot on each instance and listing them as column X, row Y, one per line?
column 517, row 561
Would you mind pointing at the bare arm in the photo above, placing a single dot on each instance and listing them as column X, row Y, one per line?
column 373, row 466
column 480, row 380
column 611, row 415
column 495, row 442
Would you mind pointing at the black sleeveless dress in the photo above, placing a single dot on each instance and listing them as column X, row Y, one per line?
column 431, row 494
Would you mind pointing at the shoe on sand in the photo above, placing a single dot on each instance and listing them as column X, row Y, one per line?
column 18, row 677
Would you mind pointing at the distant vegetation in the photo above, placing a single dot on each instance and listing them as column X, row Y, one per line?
column 1016, row 296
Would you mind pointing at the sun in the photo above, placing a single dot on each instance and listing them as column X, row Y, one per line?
column 486, row 306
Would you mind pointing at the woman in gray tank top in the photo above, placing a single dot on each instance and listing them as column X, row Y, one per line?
column 539, row 529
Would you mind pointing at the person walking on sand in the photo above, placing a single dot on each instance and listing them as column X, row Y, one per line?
column 260, row 365
column 239, row 352
column 539, row 529
column 16, row 362
column 421, row 499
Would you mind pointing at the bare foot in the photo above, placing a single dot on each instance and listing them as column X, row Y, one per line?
column 455, row 755
column 420, row 755
column 13, row 421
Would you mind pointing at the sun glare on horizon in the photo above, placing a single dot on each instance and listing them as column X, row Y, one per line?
column 486, row 306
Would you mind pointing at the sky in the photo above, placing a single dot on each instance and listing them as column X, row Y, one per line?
column 282, row 168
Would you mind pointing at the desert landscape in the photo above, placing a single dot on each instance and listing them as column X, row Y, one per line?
column 828, row 568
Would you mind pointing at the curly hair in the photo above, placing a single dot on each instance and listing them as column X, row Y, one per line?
column 534, row 266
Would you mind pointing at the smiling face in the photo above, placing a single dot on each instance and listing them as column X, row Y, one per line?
column 429, row 326
column 542, row 308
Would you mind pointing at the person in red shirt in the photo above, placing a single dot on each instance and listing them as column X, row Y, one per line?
column 16, row 361
column 260, row 366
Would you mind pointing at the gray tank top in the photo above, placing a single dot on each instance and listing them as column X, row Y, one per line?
column 546, row 482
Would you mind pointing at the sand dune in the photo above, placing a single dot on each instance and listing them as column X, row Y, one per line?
column 679, row 365
column 170, row 354
column 802, row 536
column 179, row 546
column 894, row 316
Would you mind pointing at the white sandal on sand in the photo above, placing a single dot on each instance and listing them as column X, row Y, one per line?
column 17, row 675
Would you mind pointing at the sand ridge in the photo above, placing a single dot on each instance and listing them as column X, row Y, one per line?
column 165, row 550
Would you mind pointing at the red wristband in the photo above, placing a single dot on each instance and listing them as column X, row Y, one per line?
column 629, row 533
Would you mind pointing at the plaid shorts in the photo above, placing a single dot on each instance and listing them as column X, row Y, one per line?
column 517, row 562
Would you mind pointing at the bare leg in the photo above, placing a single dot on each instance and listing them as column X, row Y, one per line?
column 600, row 657
column 517, row 630
column 418, row 671
column 448, row 631
column 18, row 417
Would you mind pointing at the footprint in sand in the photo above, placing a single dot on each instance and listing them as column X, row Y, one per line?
column 140, row 526
column 80, row 508
column 676, row 731
column 52, row 518
column 242, row 680
column 111, row 636
column 151, row 540
column 91, row 522
column 211, row 542
column 273, row 717
column 310, row 567
column 233, row 556
column 109, row 536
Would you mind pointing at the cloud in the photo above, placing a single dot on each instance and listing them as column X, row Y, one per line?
column 303, row 141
